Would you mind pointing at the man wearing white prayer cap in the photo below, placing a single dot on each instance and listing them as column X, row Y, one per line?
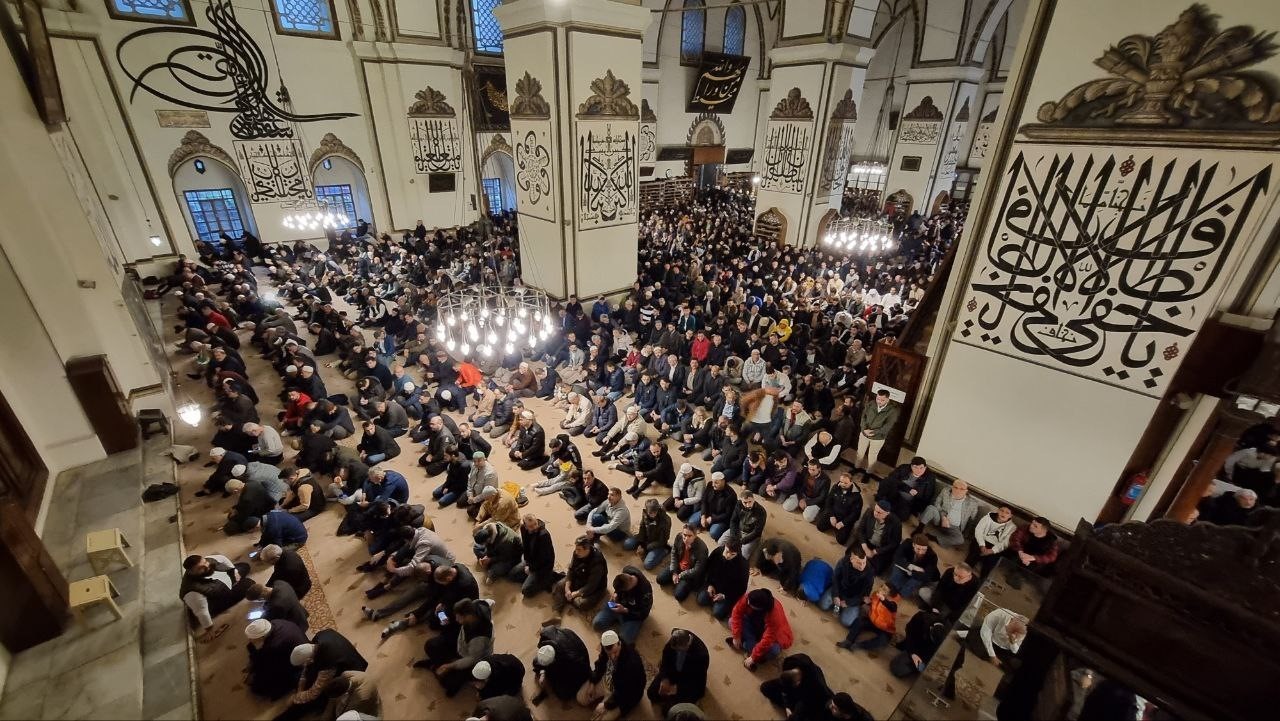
column 327, row 657
column 272, row 673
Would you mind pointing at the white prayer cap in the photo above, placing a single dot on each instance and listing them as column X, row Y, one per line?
column 233, row 485
column 686, row 468
column 257, row 629
column 546, row 655
column 607, row 639
column 308, row 369
column 291, row 369
column 527, row 415
column 408, row 388
column 717, row 476
column 444, row 395
column 481, row 671
column 302, row 653
column 217, row 452
column 238, row 470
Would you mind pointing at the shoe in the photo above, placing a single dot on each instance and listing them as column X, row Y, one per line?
column 226, row 495
column 729, row 642
column 633, row 492
column 194, row 376
column 366, row 567
column 422, row 663
column 536, row 700
column 368, row 613
column 375, row 592
column 845, row 645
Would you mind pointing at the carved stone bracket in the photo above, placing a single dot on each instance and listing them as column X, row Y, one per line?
column 611, row 98
column 792, row 107
column 497, row 144
column 846, row 108
column 706, row 129
column 1188, row 76
column 330, row 145
column 646, row 113
column 194, row 144
column 926, row 110
column 430, row 103
column 529, row 103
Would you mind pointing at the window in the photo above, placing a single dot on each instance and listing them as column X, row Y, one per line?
column 488, row 32
column 160, row 11
column 199, row 164
column 304, row 17
column 693, row 26
column 214, row 212
column 493, row 193
column 735, row 30
column 339, row 199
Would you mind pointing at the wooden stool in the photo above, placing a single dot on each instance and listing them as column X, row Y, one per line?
column 91, row 592
column 107, row 547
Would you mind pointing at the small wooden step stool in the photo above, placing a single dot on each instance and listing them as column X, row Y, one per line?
column 91, row 592
column 107, row 547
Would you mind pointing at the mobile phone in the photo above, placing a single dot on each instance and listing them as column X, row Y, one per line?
column 614, row 605
column 444, row 617
column 253, row 554
column 255, row 614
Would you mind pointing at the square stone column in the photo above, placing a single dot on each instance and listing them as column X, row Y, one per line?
column 573, row 88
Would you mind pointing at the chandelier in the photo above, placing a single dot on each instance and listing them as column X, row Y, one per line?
column 859, row 235
column 481, row 320
column 314, row 215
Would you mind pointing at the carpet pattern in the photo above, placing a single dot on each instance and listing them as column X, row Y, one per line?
column 319, row 613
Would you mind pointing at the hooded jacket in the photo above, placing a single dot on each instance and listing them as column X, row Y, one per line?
column 777, row 629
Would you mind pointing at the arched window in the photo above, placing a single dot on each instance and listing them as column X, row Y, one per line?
column 488, row 33
column 313, row 18
column 693, row 28
column 735, row 30
column 176, row 11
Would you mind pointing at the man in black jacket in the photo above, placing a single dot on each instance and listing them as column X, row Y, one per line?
column 377, row 444
column 323, row 660
column 843, row 508
column 878, row 532
column 909, row 489
column 727, row 577
column 617, row 680
column 728, row 459
column 254, row 503
column 682, row 673
column 537, row 572
column 800, row 690
column 287, row 567
column 653, row 466
column 629, row 606
column 562, row 665
column 584, row 586
column 688, row 563
column 924, row 634
column 778, row 558
column 224, row 460
column 718, row 503
column 530, row 448
column 271, row 676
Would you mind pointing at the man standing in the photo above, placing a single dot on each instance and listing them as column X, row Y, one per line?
column 878, row 419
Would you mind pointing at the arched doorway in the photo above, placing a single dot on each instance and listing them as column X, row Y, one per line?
column 824, row 224
column 771, row 226
column 498, row 176
column 209, row 191
column 899, row 201
column 940, row 202
column 341, row 184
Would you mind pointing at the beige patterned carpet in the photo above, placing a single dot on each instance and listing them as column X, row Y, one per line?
column 414, row 694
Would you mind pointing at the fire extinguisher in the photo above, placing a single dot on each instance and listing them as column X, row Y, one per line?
column 1137, row 482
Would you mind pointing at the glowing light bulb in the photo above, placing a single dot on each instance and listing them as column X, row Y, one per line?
column 509, row 348
column 440, row 333
column 485, row 351
column 491, row 338
column 450, row 345
column 464, row 349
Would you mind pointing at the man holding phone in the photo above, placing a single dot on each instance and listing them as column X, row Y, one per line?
column 629, row 606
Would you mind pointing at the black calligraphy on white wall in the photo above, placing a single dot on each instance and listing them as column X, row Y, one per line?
column 835, row 156
column 437, row 146
column 1104, row 263
column 715, row 88
column 648, row 142
column 607, row 192
column 273, row 170
column 220, row 71
column 533, row 170
column 786, row 150
column 920, row 132
column 947, row 169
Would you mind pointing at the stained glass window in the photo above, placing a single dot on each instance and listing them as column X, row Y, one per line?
column 693, row 28
column 339, row 199
column 493, row 193
column 735, row 30
column 304, row 17
column 487, row 30
column 214, row 212
column 157, row 10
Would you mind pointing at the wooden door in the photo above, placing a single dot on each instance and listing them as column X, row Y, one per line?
column 900, row 371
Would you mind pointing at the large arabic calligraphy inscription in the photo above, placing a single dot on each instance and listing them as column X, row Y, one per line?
column 1105, row 263
column 786, row 150
column 607, row 155
column 273, row 170
column 437, row 146
column 533, row 170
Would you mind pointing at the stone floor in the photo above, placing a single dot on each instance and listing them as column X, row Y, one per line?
column 101, row 668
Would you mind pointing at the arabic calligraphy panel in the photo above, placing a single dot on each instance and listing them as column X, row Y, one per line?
column 786, row 151
column 437, row 145
column 607, row 184
column 920, row 132
column 835, row 157
column 534, row 197
column 715, row 89
column 947, row 170
column 1105, row 263
column 981, row 144
column 648, row 142
column 273, row 170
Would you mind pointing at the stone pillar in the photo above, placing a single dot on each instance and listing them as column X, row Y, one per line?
column 1116, row 217
column 804, row 156
column 573, row 89
column 931, row 140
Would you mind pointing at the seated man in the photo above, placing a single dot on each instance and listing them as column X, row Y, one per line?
column 951, row 595
column 924, row 634
column 878, row 533
column 498, row 550
column 760, row 628
column 270, row 674
column 482, row 483
column 747, row 522
column 282, row 528
column 1035, row 547
column 210, row 586
column 682, row 672
column 253, row 503
column 269, row 448
column 438, row 441
column 950, row 515
column 617, row 680
column 584, row 584
column 500, row 674
column 800, row 690
column 327, row 657
column 377, row 444
column 688, row 564
column 287, row 566
column 530, row 448
column 726, row 579
column 305, row 498
column 561, row 666
column 652, row 539
column 909, row 488
column 997, row 640
column 280, row 602
column 850, row 588
column 915, row 565
column 778, row 558
column 611, row 519
column 628, row 606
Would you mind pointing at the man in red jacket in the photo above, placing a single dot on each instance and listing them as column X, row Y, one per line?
column 760, row 628
column 294, row 410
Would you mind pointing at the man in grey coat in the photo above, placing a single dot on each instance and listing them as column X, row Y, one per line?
column 950, row 515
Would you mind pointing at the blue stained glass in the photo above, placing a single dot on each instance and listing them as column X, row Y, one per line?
column 693, row 28
column 488, row 33
column 152, row 9
column 735, row 30
column 214, row 212
column 305, row 16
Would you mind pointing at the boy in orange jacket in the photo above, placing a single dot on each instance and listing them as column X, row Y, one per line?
column 880, row 618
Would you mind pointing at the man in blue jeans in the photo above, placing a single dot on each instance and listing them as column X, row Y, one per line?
column 727, row 576
column 611, row 519
column 760, row 628
column 629, row 605
column 716, row 509
column 850, row 587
